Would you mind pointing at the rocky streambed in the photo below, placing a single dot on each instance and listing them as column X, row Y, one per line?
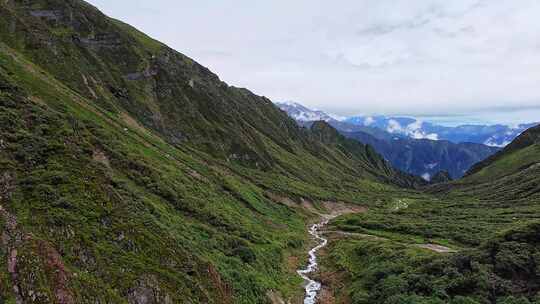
column 313, row 287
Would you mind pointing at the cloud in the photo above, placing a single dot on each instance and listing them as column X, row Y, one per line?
column 492, row 142
column 420, row 57
column 415, row 125
column 414, row 130
column 394, row 126
column 368, row 121
column 431, row 136
column 422, row 135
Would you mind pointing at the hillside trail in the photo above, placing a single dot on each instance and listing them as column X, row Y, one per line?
column 429, row 246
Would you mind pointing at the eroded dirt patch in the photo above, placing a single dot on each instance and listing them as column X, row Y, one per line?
column 282, row 200
column 436, row 248
column 275, row 297
column 335, row 209
column 324, row 209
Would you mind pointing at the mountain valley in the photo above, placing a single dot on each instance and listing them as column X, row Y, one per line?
column 130, row 173
column 412, row 152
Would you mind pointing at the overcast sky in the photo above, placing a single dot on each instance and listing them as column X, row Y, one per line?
column 416, row 57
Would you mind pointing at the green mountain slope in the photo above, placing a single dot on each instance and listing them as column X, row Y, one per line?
column 489, row 220
column 131, row 174
column 422, row 156
column 126, row 73
column 92, row 212
column 511, row 175
column 523, row 152
column 364, row 154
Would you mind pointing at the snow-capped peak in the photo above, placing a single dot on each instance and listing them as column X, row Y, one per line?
column 302, row 113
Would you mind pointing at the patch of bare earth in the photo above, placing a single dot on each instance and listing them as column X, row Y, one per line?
column 282, row 200
column 330, row 282
column 275, row 297
column 335, row 209
column 437, row 248
column 309, row 206
column 13, row 238
column 132, row 123
column 58, row 273
column 224, row 290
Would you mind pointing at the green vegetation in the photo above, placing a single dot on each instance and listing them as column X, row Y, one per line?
column 519, row 151
column 492, row 223
column 503, row 270
column 122, row 214
column 386, row 272
column 129, row 172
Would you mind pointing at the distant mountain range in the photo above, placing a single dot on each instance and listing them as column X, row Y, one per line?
column 416, row 147
column 491, row 135
column 427, row 158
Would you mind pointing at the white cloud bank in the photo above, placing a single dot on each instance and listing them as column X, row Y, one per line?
column 413, row 130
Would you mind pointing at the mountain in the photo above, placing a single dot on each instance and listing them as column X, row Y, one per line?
column 301, row 113
column 441, row 177
column 522, row 154
column 389, row 126
column 491, row 135
column 305, row 116
column 426, row 158
column 129, row 173
column 411, row 153
column 324, row 132
column 404, row 126
column 473, row 240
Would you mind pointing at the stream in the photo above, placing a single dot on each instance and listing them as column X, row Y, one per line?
column 313, row 287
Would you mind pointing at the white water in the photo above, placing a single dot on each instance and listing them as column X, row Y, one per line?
column 313, row 287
